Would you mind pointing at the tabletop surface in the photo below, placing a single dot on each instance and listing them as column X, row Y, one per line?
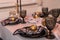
column 12, row 28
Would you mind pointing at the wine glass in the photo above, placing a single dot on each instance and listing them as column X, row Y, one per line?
column 45, row 12
column 55, row 13
column 50, row 24
column 23, row 15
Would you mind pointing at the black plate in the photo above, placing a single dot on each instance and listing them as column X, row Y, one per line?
column 41, row 32
column 9, row 22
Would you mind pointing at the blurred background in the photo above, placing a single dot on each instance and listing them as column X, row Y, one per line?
column 30, row 5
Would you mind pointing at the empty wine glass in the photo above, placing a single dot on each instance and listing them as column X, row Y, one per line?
column 23, row 15
column 50, row 24
column 55, row 12
column 45, row 12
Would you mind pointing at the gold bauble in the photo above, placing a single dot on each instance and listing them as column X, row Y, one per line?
column 12, row 18
column 33, row 27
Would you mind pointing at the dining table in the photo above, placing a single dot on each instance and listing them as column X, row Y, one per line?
column 6, row 32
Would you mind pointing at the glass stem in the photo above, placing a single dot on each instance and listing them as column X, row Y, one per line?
column 23, row 20
column 49, row 32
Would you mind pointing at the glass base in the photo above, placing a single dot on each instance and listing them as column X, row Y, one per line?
column 23, row 22
column 50, row 36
